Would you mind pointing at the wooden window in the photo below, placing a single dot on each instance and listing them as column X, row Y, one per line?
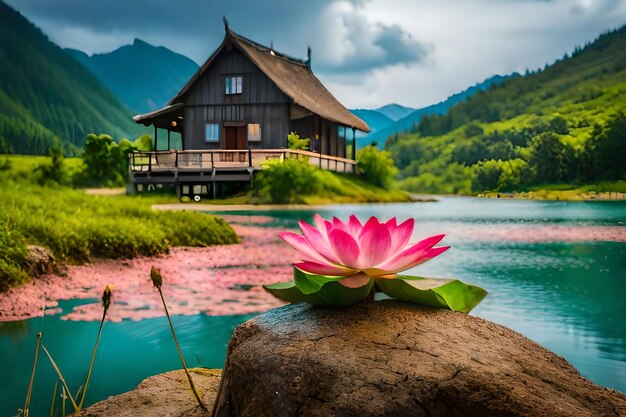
column 211, row 132
column 254, row 132
column 234, row 84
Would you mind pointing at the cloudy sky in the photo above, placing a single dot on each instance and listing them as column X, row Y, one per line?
column 368, row 52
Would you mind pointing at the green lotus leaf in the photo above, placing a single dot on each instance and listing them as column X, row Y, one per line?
column 435, row 292
column 311, row 283
column 331, row 294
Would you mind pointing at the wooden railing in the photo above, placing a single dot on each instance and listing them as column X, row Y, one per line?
column 225, row 159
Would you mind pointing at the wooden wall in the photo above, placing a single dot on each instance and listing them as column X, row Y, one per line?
column 260, row 102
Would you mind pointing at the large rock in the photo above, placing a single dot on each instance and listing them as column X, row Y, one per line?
column 165, row 395
column 393, row 359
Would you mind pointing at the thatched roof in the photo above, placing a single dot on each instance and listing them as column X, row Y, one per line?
column 142, row 118
column 292, row 76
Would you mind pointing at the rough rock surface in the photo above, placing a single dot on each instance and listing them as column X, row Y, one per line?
column 165, row 395
column 41, row 261
column 393, row 359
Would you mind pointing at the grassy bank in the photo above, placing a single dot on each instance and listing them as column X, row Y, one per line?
column 298, row 182
column 76, row 227
column 606, row 191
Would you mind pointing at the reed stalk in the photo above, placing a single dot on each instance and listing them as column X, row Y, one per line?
column 106, row 302
column 61, row 378
column 157, row 280
column 54, row 399
column 64, row 396
column 32, row 377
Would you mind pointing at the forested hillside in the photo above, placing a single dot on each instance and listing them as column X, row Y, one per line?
column 46, row 97
column 143, row 76
column 408, row 122
column 561, row 124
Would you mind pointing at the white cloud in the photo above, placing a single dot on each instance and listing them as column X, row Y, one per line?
column 368, row 52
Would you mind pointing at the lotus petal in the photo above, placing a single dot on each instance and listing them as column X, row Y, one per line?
column 324, row 269
column 375, row 242
column 318, row 241
column 345, row 247
column 401, row 234
column 355, row 280
column 407, row 257
column 299, row 243
column 354, row 226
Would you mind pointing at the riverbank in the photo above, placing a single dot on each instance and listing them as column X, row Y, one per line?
column 226, row 279
column 215, row 280
column 610, row 191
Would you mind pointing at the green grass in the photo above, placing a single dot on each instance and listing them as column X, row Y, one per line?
column 340, row 188
column 77, row 227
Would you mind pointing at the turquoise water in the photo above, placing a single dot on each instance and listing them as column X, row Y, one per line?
column 567, row 296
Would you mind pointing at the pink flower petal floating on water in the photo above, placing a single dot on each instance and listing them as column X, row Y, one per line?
column 360, row 251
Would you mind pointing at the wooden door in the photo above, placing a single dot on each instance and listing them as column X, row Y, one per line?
column 236, row 137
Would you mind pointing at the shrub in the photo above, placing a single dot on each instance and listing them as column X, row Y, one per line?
column 106, row 162
column 376, row 166
column 52, row 172
column 286, row 182
column 296, row 142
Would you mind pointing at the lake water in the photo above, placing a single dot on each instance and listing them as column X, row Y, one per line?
column 546, row 279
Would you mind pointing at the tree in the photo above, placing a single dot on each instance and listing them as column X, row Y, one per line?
column 377, row 166
column 486, row 175
column 106, row 162
column 604, row 154
column 550, row 160
column 470, row 152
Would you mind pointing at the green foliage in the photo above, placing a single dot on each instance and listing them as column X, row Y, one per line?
column 487, row 175
column 286, row 182
column 298, row 182
column 52, row 172
column 560, row 124
column 376, row 166
column 296, row 142
column 323, row 290
column 77, row 227
column 106, row 162
column 13, row 257
column 498, row 175
column 604, row 154
column 47, row 99
column 551, row 160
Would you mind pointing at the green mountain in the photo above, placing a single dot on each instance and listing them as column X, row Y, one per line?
column 406, row 123
column 143, row 76
column 46, row 97
column 395, row 111
column 561, row 124
column 374, row 119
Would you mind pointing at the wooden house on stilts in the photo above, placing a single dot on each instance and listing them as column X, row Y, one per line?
column 237, row 112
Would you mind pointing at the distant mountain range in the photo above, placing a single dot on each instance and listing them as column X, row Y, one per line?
column 46, row 97
column 395, row 111
column 383, row 125
column 143, row 76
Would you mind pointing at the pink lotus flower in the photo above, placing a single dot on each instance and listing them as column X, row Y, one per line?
column 360, row 252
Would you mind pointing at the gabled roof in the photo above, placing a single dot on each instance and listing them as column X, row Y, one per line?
column 292, row 76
